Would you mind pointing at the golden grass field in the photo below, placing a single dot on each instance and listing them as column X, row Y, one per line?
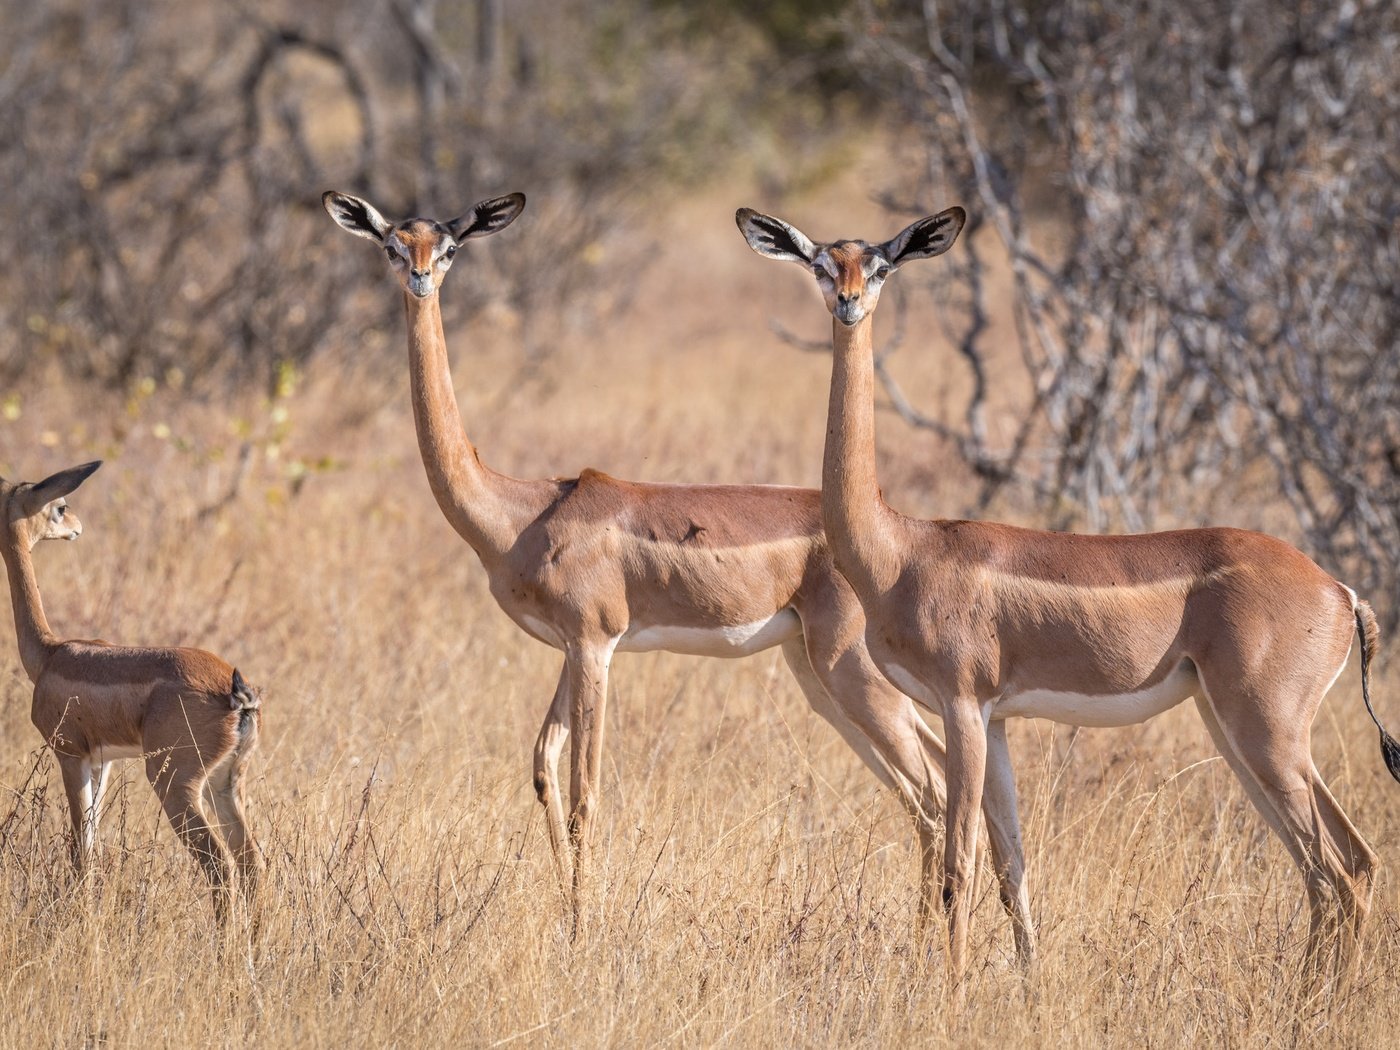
column 755, row 885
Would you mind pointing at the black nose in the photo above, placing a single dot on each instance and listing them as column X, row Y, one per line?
column 420, row 273
column 847, row 297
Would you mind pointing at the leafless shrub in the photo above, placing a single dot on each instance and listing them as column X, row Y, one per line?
column 162, row 175
column 1201, row 210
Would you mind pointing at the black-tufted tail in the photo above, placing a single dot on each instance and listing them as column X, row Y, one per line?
column 1370, row 634
column 241, row 696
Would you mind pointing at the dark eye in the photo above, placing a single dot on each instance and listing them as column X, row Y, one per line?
column 882, row 273
column 389, row 251
column 820, row 273
column 60, row 511
column 451, row 251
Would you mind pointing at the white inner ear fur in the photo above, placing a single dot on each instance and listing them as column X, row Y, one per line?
column 805, row 248
column 803, row 243
column 756, row 230
column 343, row 209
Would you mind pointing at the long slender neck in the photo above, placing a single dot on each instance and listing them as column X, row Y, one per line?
column 859, row 526
column 36, row 641
column 476, row 501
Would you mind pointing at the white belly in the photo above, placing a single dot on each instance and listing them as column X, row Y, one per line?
column 910, row 686
column 108, row 752
column 1101, row 709
column 723, row 640
column 545, row 632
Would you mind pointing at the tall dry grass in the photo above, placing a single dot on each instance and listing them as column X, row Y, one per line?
column 755, row 886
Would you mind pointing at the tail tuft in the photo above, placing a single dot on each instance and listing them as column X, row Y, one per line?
column 1370, row 636
column 1390, row 751
column 242, row 697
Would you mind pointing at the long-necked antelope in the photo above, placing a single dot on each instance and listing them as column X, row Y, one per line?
column 593, row 565
column 982, row 622
column 186, row 712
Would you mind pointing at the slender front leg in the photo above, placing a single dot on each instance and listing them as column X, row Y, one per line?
column 587, row 673
column 1004, row 829
column 77, row 786
column 967, row 761
column 101, row 774
column 548, row 748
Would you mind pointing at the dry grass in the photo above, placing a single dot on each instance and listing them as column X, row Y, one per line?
column 756, row 888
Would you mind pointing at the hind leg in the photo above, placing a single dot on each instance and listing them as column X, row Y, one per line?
column 1355, row 854
column 226, row 795
column 883, row 726
column 901, row 759
column 914, row 772
column 1267, row 745
column 1247, row 779
column 180, row 792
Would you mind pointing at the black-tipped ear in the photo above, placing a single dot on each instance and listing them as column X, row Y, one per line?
column 774, row 238
column 488, row 216
column 926, row 238
column 57, row 485
column 356, row 215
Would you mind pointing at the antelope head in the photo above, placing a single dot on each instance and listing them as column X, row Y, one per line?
column 39, row 511
column 850, row 274
column 420, row 251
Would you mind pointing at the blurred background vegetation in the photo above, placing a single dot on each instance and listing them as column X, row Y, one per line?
column 1195, row 209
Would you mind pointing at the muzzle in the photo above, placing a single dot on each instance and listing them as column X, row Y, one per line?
column 849, row 311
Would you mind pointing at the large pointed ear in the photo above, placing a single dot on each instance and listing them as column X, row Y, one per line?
column 930, row 236
column 356, row 215
column 56, row 485
column 487, row 217
column 774, row 238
